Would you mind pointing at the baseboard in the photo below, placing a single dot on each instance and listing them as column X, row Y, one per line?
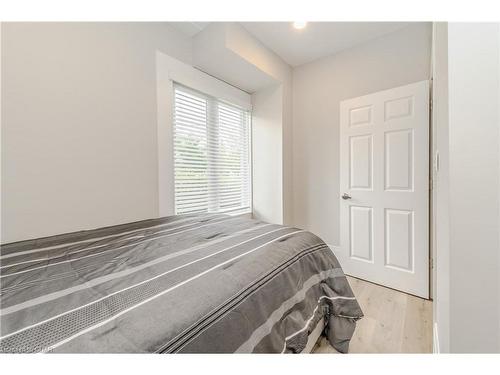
column 435, row 339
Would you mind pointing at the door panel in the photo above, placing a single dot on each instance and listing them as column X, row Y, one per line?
column 361, row 162
column 361, row 233
column 360, row 116
column 399, row 160
column 399, row 239
column 398, row 108
column 384, row 140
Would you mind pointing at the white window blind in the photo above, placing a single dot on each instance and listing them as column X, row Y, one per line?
column 211, row 154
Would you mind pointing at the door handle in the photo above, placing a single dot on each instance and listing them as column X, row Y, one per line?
column 346, row 196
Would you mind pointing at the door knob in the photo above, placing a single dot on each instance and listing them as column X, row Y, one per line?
column 346, row 196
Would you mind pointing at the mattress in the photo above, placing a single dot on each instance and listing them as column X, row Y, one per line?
column 180, row 284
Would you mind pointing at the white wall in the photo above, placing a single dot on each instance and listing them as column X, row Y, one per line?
column 79, row 124
column 318, row 87
column 267, row 151
column 499, row 179
column 474, row 186
column 85, row 123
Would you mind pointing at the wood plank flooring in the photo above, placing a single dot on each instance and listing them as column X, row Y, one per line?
column 394, row 322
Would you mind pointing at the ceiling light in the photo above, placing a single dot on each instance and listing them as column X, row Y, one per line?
column 299, row 25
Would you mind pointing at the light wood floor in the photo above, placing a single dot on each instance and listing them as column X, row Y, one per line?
column 394, row 322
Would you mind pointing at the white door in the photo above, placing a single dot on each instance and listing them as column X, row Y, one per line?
column 384, row 187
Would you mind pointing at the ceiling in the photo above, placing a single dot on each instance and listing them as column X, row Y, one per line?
column 318, row 39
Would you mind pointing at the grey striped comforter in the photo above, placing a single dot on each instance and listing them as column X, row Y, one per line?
column 189, row 284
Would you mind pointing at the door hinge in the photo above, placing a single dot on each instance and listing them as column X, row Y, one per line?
column 432, row 263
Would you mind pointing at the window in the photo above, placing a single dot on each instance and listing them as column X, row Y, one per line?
column 211, row 154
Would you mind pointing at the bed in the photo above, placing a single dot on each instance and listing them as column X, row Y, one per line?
column 206, row 283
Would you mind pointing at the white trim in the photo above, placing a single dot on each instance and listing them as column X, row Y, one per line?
column 165, row 136
column 169, row 70
column 435, row 339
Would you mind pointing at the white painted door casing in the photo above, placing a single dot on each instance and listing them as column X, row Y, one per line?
column 384, row 157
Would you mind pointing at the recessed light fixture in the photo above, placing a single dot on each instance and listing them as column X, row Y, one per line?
column 299, row 25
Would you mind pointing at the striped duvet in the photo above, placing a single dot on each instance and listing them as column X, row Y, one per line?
column 180, row 284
